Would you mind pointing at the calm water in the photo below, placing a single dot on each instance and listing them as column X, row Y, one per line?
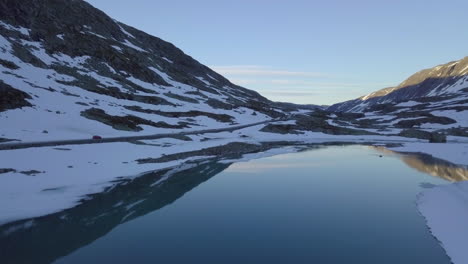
column 325, row 205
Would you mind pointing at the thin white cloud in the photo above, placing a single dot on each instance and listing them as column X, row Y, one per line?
column 255, row 70
column 297, row 86
column 291, row 93
column 290, row 82
column 305, row 84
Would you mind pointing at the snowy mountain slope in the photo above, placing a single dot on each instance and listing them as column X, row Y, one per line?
column 443, row 81
column 67, row 70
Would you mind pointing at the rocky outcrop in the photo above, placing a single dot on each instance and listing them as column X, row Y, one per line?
column 126, row 123
column 12, row 98
column 433, row 137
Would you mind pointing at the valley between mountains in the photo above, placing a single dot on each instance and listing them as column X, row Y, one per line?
column 88, row 103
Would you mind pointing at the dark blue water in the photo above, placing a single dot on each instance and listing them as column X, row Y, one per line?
column 334, row 205
column 328, row 205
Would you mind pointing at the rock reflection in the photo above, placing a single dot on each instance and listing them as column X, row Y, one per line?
column 428, row 164
column 45, row 239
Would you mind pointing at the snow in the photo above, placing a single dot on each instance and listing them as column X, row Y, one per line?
column 464, row 69
column 21, row 30
column 166, row 59
column 130, row 206
column 110, row 68
column 117, row 48
column 142, row 83
column 60, row 187
column 38, row 51
column 95, row 34
column 202, row 80
column 133, row 46
column 75, row 62
column 126, row 32
column 5, row 45
column 162, row 74
column 461, row 117
column 460, row 84
column 445, row 208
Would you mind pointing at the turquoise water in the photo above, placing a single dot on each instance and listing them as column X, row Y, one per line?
column 326, row 205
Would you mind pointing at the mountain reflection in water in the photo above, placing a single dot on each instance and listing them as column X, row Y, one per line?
column 45, row 239
column 430, row 165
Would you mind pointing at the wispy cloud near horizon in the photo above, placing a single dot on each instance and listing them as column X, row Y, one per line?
column 257, row 70
column 297, row 86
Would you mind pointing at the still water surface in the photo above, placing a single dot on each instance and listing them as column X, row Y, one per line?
column 325, row 205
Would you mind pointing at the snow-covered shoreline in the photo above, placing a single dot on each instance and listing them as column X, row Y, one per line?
column 62, row 176
column 445, row 209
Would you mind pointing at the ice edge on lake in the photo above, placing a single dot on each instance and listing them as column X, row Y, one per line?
column 445, row 209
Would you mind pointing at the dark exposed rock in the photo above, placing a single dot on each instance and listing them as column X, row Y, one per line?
column 63, row 149
column 218, row 117
column 281, row 129
column 315, row 122
column 218, row 104
column 383, row 108
column 233, row 149
column 457, row 131
column 182, row 98
column 433, row 137
column 8, row 64
column 11, row 98
column 30, row 172
column 294, row 107
column 92, row 85
column 230, row 148
column 419, row 121
column 6, row 170
column 415, row 133
column 437, row 138
column 407, row 114
column 26, row 56
column 2, row 140
column 128, row 123
column 320, row 113
column 349, row 116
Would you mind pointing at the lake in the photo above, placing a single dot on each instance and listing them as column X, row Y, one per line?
column 323, row 204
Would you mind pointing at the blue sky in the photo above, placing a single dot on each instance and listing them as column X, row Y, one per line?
column 317, row 52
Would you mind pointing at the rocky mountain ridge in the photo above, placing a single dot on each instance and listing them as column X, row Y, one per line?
column 65, row 65
column 441, row 82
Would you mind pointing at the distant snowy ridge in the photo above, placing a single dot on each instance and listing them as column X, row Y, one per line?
column 443, row 80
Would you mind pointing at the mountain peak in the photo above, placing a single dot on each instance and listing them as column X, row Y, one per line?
column 442, row 80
